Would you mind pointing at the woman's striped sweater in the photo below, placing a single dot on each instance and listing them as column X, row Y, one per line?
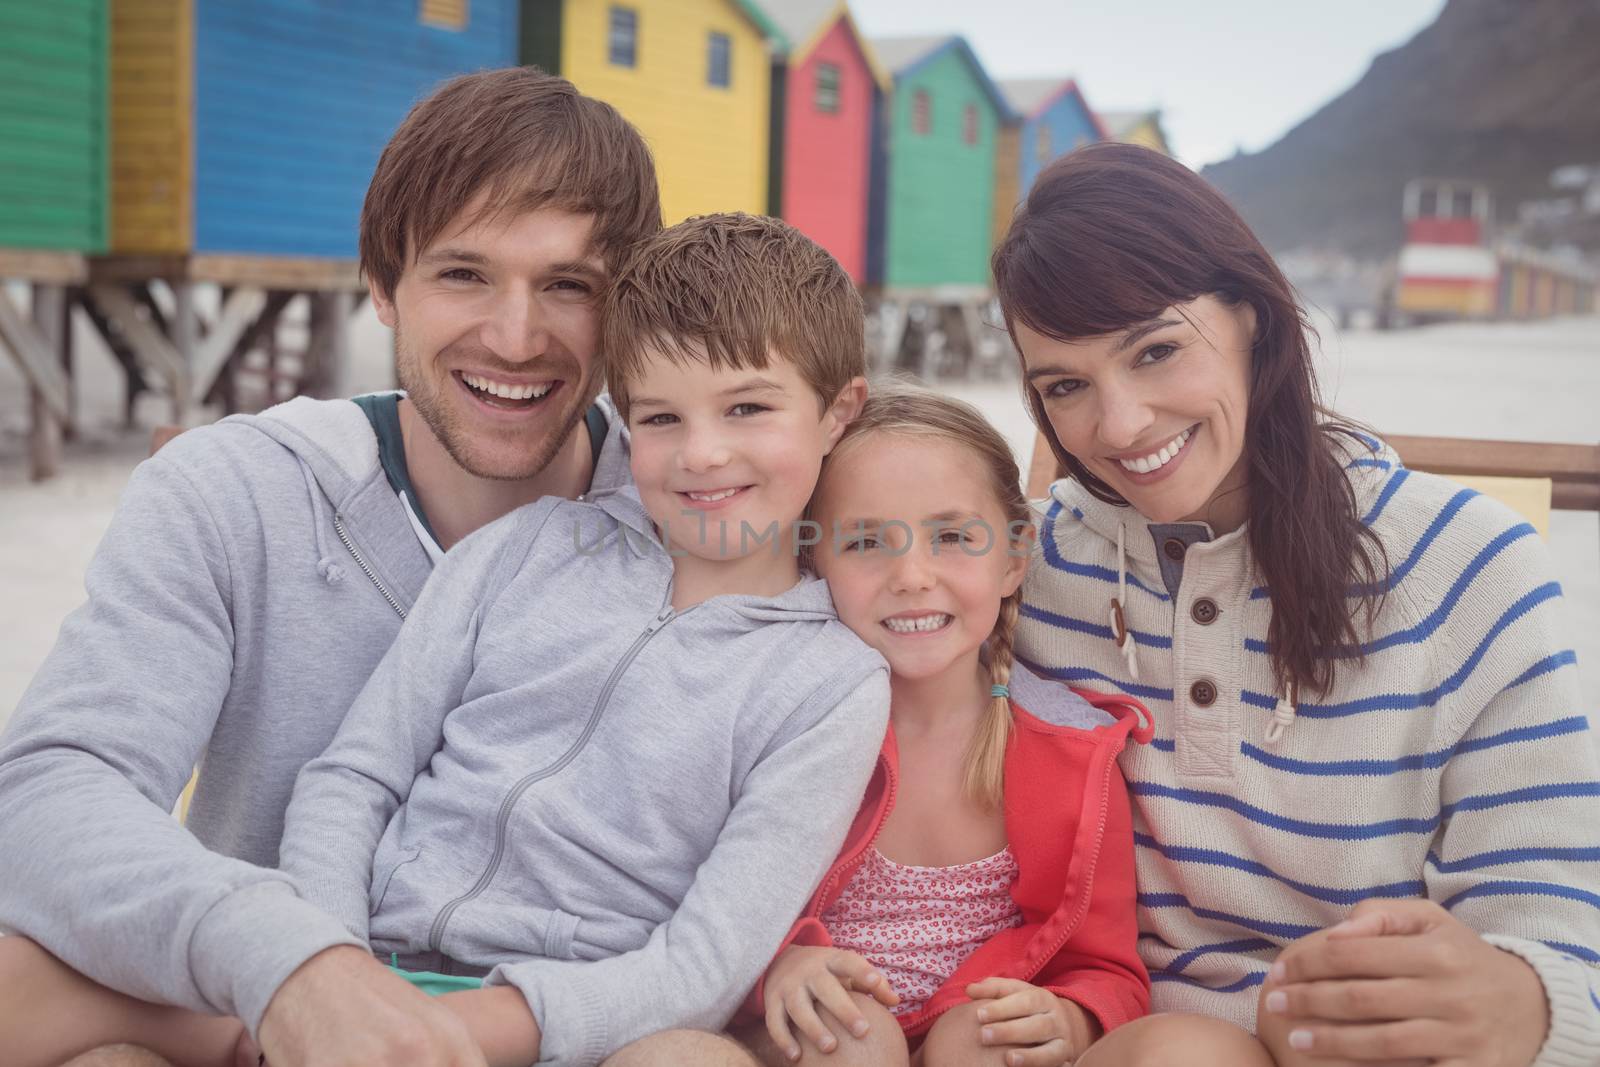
column 1455, row 763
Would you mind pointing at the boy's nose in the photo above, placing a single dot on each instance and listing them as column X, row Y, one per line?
column 702, row 451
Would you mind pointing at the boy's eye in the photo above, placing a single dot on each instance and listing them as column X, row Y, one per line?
column 950, row 537
column 747, row 409
column 860, row 544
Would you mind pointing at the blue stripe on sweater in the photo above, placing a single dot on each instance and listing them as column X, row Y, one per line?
column 1553, row 662
column 1421, row 761
column 1289, row 931
column 1502, row 856
column 1524, row 889
column 1429, row 624
column 1084, row 674
column 1215, row 858
column 1178, row 964
column 1390, row 486
column 1249, row 981
column 1052, row 556
column 1427, row 698
column 1527, row 794
column 1302, row 827
column 1577, row 952
column 1082, row 626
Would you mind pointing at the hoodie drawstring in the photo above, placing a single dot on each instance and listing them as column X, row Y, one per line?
column 1283, row 714
column 1119, row 625
column 327, row 563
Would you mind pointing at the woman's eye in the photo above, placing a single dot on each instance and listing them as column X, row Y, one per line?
column 747, row 409
column 1157, row 353
column 1063, row 387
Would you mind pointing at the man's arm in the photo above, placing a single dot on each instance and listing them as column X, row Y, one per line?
column 92, row 864
column 785, row 828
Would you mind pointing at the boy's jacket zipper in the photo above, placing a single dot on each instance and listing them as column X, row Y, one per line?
column 503, row 819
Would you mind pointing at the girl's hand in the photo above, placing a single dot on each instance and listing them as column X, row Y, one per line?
column 1405, row 980
column 804, row 976
column 1047, row 1030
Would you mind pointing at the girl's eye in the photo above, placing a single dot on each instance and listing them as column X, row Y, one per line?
column 747, row 409
column 1062, row 387
column 1157, row 353
column 662, row 419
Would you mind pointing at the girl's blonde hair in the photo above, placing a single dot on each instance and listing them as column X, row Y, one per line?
column 905, row 410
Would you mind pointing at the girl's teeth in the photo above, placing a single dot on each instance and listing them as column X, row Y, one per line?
column 1157, row 460
column 921, row 624
column 506, row 392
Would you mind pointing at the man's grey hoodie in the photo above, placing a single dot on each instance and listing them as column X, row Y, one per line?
column 617, row 806
column 254, row 574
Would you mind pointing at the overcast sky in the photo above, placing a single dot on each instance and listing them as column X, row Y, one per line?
column 1227, row 74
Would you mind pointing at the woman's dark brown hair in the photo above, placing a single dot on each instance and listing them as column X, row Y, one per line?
column 1113, row 234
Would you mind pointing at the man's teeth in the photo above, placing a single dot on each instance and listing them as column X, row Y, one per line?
column 921, row 624
column 507, row 392
column 712, row 498
column 1156, row 460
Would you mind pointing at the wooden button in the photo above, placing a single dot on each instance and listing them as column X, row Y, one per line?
column 1174, row 549
column 1203, row 693
column 1204, row 611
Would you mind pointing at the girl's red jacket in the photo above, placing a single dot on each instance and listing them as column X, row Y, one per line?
column 1070, row 828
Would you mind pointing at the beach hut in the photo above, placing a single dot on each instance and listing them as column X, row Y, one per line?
column 1136, row 127
column 695, row 76
column 825, row 93
column 1049, row 119
column 52, row 190
column 243, row 136
column 933, row 190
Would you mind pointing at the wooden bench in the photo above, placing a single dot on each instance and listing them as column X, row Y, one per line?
column 1530, row 477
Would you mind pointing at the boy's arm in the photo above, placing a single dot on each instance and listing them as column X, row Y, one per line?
column 785, row 828
column 92, row 864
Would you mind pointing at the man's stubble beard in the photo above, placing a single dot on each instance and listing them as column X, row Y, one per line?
column 445, row 425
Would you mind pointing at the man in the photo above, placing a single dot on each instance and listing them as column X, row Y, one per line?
column 257, row 570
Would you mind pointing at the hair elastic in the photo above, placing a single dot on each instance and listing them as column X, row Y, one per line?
column 1000, row 691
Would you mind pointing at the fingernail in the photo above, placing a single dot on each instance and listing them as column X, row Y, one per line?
column 859, row 1028
column 986, row 1036
column 826, row 1044
column 1278, row 972
column 871, row 979
column 794, row 1052
column 1300, row 1039
column 1277, row 1002
column 1014, row 1058
column 983, row 1015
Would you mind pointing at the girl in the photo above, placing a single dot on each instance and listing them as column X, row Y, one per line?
column 1362, row 695
column 981, row 910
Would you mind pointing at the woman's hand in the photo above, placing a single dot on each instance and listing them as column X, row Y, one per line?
column 1045, row 1029
column 804, row 976
column 1404, row 980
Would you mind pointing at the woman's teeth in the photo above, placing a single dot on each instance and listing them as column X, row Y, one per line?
column 712, row 498
column 507, row 392
column 1156, row 460
column 920, row 625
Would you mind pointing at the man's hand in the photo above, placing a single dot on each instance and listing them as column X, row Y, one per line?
column 1405, row 981
column 343, row 1008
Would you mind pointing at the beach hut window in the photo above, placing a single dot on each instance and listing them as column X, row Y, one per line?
column 969, row 124
column 921, row 112
column 622, row 43
column 1461, row 206
column 827, row 100
column 446, row 14
column 719, row 70
column 1041, row 144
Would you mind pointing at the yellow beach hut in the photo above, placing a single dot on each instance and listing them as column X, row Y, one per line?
column 695, row 76
column 1136, row 127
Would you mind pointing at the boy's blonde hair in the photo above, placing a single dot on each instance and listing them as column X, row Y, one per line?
column 904, row 410
column 741, row 286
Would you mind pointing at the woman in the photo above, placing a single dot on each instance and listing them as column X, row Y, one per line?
column 1365, row 826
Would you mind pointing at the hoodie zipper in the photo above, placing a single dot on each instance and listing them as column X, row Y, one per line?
column 344, row 539
column 503, row 819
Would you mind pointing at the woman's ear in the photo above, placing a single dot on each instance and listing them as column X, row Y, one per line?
column 843, row 411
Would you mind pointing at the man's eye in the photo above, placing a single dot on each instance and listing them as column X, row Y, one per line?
column 459, row 274
column 571, row 285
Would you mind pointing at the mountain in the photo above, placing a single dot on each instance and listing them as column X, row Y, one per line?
column 1502, row 91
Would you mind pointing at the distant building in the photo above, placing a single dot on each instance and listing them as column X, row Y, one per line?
column 1049, row 118
column 933, row 187
column 826, row 93
column 1136, row 127
column 695, row 76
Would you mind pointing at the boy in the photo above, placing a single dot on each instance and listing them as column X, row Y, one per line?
column 618, row 741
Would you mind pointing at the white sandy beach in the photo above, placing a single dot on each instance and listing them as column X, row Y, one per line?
column 1505, row 381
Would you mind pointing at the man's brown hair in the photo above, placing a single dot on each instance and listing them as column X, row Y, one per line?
column 741, row 287
column 525, row 138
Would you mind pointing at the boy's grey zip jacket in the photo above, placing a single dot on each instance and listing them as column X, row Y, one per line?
column 252, row 577
column 616, row 806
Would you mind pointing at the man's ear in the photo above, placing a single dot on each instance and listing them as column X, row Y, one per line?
column 382, row 303
column 844, row 409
